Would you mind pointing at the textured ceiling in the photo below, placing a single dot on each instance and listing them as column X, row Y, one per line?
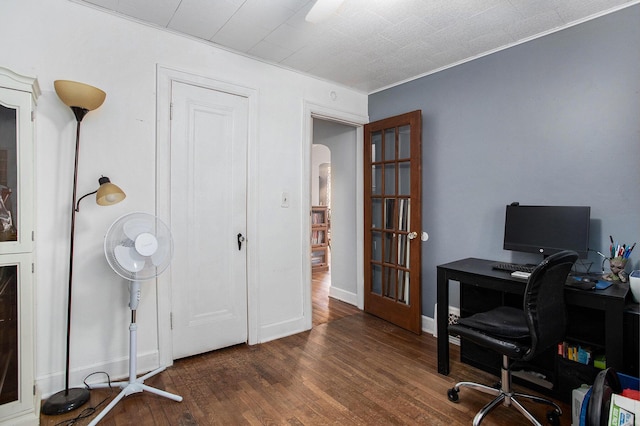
column 365, row 44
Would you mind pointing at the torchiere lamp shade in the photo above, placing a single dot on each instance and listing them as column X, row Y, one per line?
column 108, row 193
column 80, row 95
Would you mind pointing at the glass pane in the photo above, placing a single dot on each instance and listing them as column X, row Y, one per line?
column 404, row 214
column 404, row 142
column 389, row 248
column 390, row 144
column 403, row 249
column 376, row 146
column 376, row 279
column 403, row 286
column 8, row 334
column 376, row 213
column 389, row 213
column 389, row 179
column 404, row 178
column 389, row 283
column 376, row 246
column 376, row 180
column 8, row 175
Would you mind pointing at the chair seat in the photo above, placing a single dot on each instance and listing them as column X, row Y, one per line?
column 503, row 329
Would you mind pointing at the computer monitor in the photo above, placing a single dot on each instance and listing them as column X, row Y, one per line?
column 547, row 229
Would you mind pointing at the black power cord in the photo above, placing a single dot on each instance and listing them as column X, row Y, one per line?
column 89, row 411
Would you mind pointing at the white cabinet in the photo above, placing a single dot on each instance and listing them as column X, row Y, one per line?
column 19, row 402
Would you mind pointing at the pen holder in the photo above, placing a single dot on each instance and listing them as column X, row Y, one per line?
column 617, row 265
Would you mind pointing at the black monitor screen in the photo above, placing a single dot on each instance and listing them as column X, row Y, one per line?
column 547, row 229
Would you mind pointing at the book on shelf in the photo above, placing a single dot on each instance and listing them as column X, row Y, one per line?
column 317, row 237
column 576, row 352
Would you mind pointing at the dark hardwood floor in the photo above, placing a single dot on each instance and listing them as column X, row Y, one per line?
column 350, row 369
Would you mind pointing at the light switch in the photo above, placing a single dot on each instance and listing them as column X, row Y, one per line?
column 285, row 200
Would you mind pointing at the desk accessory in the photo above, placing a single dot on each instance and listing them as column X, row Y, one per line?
column 617, row 265
column 618, row 260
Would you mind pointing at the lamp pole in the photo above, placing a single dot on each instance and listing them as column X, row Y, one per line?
column 81, row 98
column 70, row 399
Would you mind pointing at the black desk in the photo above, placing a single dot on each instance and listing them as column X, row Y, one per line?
column 479, row 273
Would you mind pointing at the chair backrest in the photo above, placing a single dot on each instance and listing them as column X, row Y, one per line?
column 544, row 301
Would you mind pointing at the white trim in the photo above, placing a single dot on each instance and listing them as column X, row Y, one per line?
column 344, row 296
column 164, row 77
column 313, row 110
column 118, row 369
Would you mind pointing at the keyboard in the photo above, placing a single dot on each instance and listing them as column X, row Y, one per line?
column 512, row 267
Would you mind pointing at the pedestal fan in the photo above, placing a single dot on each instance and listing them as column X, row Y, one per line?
column 138, row 247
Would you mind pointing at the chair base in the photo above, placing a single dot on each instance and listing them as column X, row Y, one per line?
column 507, row 397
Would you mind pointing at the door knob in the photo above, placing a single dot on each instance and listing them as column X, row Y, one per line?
column 240, row 240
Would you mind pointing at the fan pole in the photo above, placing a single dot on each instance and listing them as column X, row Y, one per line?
column 134, row 385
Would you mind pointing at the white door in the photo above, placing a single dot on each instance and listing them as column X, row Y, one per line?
column 209, row 134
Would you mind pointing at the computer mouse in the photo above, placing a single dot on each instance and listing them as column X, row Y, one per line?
column 588, row 280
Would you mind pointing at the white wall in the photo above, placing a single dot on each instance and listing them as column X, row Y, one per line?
column 58, row 39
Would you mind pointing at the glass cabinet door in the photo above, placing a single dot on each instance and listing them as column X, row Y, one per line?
column 16, row 345
column 8, row 334
column 8, row 173
column 18, row 398
column 16, row 184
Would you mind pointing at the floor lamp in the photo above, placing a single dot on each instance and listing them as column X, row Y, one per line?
column 81, row 98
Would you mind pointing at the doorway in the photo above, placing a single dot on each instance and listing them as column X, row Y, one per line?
column 335, row 187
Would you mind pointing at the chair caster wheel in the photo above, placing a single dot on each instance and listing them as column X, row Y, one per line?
column 553, row 418
column 452, row 394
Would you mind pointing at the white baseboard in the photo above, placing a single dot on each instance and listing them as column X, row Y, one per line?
column 281, row 329
column 345, row 296
column 117, row 369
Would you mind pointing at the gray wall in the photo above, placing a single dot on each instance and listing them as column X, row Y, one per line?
column 341, row 140
column 555, row 121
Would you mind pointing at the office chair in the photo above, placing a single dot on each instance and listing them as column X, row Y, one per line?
column 521, row 334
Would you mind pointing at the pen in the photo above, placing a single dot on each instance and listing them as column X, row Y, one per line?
column 611, row 238
column 629, row 250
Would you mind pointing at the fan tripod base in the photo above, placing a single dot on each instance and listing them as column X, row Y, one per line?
column 129, row 388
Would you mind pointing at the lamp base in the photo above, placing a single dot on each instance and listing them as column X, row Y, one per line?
column 65, row 401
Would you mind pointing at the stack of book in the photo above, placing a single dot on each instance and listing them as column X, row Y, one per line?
column 577, row 353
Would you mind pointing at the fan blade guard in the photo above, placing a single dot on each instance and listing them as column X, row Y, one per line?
column 138, row 246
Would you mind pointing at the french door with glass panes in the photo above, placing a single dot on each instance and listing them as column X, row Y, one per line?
column 392, row 217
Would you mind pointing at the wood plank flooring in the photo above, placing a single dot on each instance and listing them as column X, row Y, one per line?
column 350, row 369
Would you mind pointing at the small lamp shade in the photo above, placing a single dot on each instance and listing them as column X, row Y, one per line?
column 108, row 193
column 79, row 95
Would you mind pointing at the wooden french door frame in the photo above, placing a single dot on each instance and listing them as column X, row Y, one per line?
column 393, row 219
